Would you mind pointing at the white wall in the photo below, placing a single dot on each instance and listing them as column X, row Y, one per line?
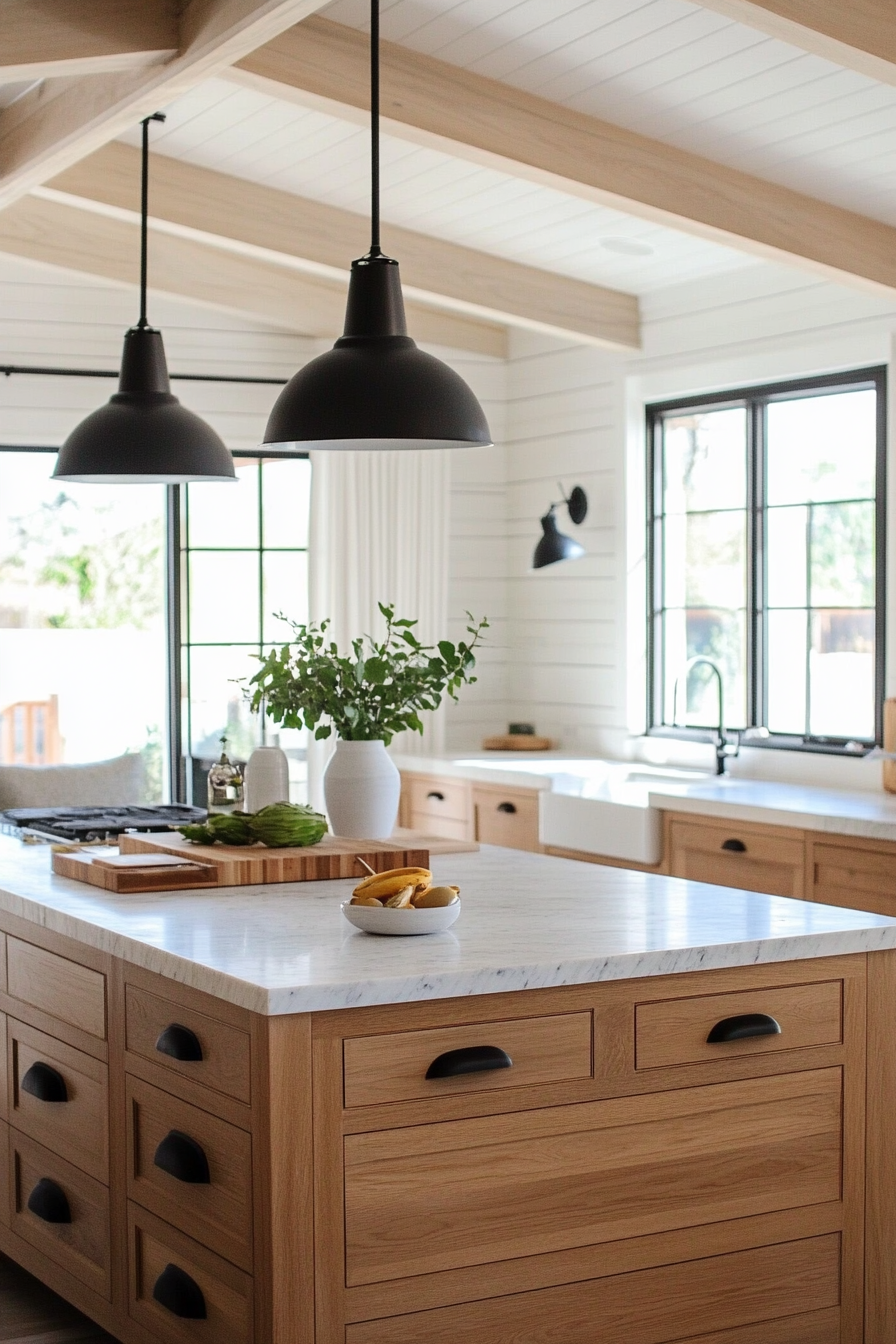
column 577, row 415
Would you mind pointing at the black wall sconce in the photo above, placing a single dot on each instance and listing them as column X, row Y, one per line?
column 553, row 545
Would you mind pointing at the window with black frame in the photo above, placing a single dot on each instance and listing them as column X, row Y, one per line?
column 765, row 539
column 243, row 563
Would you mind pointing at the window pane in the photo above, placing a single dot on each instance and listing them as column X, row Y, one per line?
column 822, row 448
column 705, row 461
column 221, row 514
column 83, row 670
column 841, row 664
column 716, row 560
column 786, row 660
column 286, row 491
column 721, row 637
column 286, row 591
column 842, row 545
column 223, row 597
column 786, row 557
column 217, row 705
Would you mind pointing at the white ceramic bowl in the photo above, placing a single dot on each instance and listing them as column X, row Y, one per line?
column 400, row 923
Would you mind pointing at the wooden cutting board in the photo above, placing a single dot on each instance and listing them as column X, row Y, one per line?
column 102, row 871
column 238, row 866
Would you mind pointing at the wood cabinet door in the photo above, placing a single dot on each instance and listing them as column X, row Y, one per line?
column 507, row 817
column 731, row 854
column 438, row 1197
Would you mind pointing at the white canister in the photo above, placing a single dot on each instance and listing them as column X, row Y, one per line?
column 267, row 778
column 361, row 790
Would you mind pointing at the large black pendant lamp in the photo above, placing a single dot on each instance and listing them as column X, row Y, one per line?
column 143, row 435
column 375, row 389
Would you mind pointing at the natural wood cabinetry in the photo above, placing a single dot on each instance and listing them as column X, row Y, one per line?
column 506, row 817
column 459, row 810
column 738, row 854
column 856, row 873
column 57, row 986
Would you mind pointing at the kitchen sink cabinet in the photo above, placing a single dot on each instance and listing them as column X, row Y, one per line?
column 737, row 854
column 313, row 1182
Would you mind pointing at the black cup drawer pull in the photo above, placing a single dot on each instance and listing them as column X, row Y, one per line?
column 507, row 807
column 44, row 1082
column 48, row 1202
column 734, row 846
column 743, row 1026
column 183, row 1158
column 434, row 793
column 180, row 1043
column 469, row 1059
column 179, row 1294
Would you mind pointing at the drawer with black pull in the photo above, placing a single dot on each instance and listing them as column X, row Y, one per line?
column 750, row 1022
column 61, row 1211
column 188, row 1044
column 439, row 798
column 523, row 1052
column 180, row 1291
column 58, row 1095
column 191, row 1169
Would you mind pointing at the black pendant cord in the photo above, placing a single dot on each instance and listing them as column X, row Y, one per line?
column 144, row 214
column 375, row 249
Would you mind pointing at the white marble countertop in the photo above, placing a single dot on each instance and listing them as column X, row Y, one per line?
column 528, row 921
column 868, row 814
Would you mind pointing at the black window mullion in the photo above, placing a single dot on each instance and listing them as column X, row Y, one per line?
column 756, row 565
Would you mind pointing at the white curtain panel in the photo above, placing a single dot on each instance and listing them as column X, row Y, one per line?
column 379, row 533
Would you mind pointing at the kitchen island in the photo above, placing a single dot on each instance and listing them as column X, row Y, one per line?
column 603, row 1101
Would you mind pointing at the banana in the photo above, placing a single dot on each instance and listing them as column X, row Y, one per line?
column 383, row 885
column 401, row 900
column 366, row 900
column 434, row 896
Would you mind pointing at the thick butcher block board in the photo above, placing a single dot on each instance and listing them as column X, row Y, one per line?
column 101, row 871
column 239, row 866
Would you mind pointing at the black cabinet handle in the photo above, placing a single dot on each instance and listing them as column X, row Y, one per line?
column 180, row 1043
column 734, row 846
column 183, row 1158
column 48, row 1201
column 744, row 1025
column 470, row 1059
column 179, row 1294
column 44, row 1082
column 507, row 807
column 439, row 797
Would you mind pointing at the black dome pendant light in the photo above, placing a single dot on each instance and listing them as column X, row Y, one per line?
column 375, row 390
column 143, row 436
column 554, row 545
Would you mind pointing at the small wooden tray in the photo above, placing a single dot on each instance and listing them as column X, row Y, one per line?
column 237, row 866
column 107, row 872
column 517, row 742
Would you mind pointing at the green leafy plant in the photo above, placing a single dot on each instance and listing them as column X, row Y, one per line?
column 378, row 690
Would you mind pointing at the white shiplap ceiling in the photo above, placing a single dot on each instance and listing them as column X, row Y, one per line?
column 249, row 135
column 676, row 72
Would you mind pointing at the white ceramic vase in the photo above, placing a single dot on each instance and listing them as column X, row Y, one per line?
column 361, row 788
column 267, row 778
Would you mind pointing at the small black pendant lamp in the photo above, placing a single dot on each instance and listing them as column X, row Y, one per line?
column 375, row 389
column 143, row 435
column 553, row 545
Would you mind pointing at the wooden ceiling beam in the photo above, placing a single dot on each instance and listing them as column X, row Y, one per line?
column 324, row 65
column 45, row 39
column 61, row 120
column 860, row 35
column 307, row 235
column 62, row 235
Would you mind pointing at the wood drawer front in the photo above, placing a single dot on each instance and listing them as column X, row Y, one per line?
column 674, row 1031
column 226, row 1291
column 748, row 1297
column 769, row 863
column 443, row 1196
column 449, row 798
column 393, row 1068
column 78, row 1128
column 82, row 1245
column 225, row 1063
column 496, row 825
column 64, row 989
column 4, row 1174
column 441, row 827
column 217, row 1213
column 862, row 879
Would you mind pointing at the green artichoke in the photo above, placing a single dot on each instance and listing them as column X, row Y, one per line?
column 229, row 828
column 283, row 824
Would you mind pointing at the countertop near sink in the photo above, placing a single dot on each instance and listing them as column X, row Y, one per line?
column 867, row 814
